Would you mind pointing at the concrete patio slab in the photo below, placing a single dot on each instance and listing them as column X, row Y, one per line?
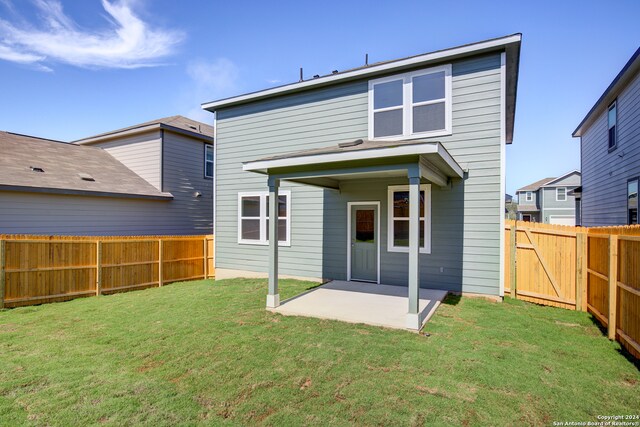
column 357, row 302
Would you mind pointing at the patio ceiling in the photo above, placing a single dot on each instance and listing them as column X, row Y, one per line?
column 361, row 159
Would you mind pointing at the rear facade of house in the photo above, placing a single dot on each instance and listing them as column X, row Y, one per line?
column 460, row 100
column 610, row 152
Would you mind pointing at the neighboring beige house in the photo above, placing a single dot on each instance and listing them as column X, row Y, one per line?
column 149, row 179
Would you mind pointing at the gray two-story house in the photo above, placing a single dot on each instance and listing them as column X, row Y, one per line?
column 392, row 173
column 610, row 151
column 550, row 200
column 154, row 178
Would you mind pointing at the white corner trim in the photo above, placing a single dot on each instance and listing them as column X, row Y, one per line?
column 503, row 172
column 362, row 72
column 426, row 249
column 375, row 203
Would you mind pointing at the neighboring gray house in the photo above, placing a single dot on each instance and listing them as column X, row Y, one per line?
column 550, row 200
column 391, row 173
column 610, row 152
column 148, row 179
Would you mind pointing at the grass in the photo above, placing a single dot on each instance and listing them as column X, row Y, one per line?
column 207, row 352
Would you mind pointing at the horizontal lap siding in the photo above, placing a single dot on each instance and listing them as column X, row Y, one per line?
column 466, row 218
column 605, row 175
column 140, row 153
column 49, row 214
column 296, row 123
column 183, row 176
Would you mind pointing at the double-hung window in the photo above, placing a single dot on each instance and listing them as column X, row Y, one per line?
column 253, row 218
column 528, row 196
column 208, row 161
column 612, row 119
column 398, row 218
column 411, row 105
column 561, row 194
column 632, row 201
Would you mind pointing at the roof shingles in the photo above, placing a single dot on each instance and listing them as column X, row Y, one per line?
column 63, row 165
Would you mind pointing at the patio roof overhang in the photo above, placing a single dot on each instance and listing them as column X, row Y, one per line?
column 361, row 159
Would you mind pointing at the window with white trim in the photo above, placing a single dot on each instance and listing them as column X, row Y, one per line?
column 411, row 105
column 561, row 194
column 253, row 218
column 398, row 218
column 208, row 161
column 528, row 196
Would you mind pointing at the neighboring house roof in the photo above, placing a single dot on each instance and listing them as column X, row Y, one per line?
column 560, row 178
column 628, row 72
column 510, row 44
column 508, row 198
column 67, row 169
column 536, row 185
column 178, row 124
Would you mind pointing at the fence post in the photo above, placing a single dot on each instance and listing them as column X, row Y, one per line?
column 613, row 285
column 512, row 259
column 3, row 265
column 581, row 271
column 160, row 281
column 205, row 260
column 98, row 267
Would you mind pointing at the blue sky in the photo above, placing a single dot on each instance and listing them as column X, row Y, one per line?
column 70, row 69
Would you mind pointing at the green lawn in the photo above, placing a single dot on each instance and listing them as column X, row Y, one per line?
column 208, row 352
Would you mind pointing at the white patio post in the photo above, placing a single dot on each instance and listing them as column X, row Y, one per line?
column 413, row 318
column 273, row 297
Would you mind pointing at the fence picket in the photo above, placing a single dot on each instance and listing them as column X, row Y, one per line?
column 41, row 269
column 590, row 269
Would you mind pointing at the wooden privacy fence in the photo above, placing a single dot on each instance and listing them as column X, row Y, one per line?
column 586, row 269
column 41, row 269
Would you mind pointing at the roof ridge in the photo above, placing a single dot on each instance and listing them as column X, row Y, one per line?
column 34, row 137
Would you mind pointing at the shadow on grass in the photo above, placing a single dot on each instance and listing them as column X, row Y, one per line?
column 622, row 350
column 452, row 299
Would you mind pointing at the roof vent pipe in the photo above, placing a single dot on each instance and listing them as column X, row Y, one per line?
column 301, row 76
column 366, row 59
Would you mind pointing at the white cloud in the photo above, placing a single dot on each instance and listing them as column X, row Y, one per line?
column 129, row 42
column 209, row 80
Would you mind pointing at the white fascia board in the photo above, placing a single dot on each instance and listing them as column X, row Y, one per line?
column 363, row 72
column 373, row 153
column 442, row 152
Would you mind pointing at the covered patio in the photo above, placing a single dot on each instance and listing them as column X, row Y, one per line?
column 359, row 302
column 417, row 162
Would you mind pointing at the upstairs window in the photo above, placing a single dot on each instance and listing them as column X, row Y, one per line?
column 632, row 201
column 411, row 105
column 612, row 118
column 208, row 161
column 561, row 194
column 528, row 196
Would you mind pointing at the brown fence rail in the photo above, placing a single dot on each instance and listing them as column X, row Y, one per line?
column 41, row 269
column 587, row 269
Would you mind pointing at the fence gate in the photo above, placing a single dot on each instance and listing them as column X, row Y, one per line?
column 546, row 272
